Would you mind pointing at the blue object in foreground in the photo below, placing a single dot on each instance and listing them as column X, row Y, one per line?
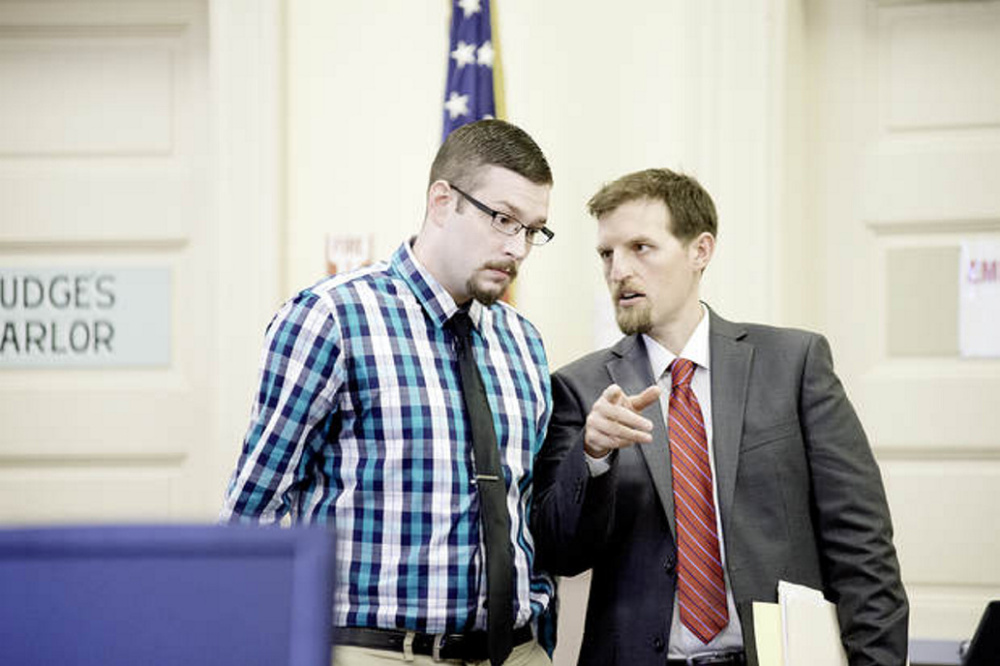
column 158, row 595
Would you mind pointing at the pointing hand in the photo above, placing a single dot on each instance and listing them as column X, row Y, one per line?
column 615, row 420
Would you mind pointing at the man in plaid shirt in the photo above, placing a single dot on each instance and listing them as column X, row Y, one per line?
column 359, row 420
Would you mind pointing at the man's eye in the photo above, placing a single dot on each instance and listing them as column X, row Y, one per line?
column 507, row 222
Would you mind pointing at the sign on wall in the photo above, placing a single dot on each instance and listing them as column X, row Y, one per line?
column 979, row 299
column 84, row 317
column 345, row 252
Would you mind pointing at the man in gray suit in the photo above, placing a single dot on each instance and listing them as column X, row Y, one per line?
column 698, row 461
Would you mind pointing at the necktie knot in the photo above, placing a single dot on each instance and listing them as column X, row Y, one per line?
column 461, row 324
column 681, row 372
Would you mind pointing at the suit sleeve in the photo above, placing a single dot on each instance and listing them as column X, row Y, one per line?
column 573, row 512
column 854, row 529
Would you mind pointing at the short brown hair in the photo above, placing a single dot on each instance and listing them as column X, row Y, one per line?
column 489, row 143
column 691, row 208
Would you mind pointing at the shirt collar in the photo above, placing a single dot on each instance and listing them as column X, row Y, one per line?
column 432, row 296
column 696, row 349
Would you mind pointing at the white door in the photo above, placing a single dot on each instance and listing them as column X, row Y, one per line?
column 902, row 163
column 104, row 169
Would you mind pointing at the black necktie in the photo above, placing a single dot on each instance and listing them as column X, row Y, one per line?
column 493, row 514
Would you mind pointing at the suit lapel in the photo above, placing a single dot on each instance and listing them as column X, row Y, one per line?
column 629, row 368
column 730, row 377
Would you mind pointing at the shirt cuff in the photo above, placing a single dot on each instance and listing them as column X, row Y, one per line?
column 597, row 466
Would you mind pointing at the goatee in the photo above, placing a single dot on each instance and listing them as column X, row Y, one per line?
column 484, row 296
column 490, row 295
column 634, row 320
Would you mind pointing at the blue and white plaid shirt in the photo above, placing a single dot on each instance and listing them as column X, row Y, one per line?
column 359, row 421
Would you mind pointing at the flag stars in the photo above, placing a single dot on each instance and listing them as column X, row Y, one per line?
column 464, row 54
column 457, row 105
column 485, row 54
column 469, row 94
column 470, row 7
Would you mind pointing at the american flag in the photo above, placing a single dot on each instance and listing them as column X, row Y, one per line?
column 470, row 94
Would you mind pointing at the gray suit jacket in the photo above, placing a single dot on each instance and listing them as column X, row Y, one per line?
column 800, row 496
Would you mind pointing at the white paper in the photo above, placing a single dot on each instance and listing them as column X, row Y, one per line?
column 811, row 628
column 979, row 299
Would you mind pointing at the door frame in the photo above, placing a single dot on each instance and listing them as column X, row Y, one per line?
column 246, row 47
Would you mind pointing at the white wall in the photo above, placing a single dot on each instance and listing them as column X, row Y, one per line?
column 364, row 121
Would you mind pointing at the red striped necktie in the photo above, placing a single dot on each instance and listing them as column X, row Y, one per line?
column 701, row 586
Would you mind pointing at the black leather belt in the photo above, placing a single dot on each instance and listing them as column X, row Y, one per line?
column 729, row 658
column 470, row 646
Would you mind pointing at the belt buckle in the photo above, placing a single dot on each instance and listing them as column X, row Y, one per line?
column 408, row 638
column 710, row 658
column 436, row 646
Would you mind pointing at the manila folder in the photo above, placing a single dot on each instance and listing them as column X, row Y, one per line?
column 767, row 635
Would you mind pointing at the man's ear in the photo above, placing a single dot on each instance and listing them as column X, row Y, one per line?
column 701, row 250
column 440, row 198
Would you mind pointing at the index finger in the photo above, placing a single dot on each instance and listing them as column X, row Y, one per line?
column 615, row 395
column 645, row 399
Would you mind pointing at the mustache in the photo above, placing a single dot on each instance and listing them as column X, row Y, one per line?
column 619, row 289
column 508, row 267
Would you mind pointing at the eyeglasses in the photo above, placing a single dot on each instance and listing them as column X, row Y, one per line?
column 506, row 224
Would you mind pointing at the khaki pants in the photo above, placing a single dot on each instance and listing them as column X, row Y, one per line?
column 528, row 654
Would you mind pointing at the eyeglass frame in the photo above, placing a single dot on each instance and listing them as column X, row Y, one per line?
column 545, row 232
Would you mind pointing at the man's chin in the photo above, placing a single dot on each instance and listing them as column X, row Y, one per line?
column 487, row 299
column 488, row 295
column 633, row 321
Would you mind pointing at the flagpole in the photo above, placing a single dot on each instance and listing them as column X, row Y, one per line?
column 499, row 97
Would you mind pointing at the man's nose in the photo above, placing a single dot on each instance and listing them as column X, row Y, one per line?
column 619, row 267
column 517, row 246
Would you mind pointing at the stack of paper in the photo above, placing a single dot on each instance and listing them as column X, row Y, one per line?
column 800, row 630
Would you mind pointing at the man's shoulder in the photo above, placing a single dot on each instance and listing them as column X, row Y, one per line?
column 335, row 297
column 376, row 279
column 773, row 347
column 507, row 316
column 758, row 334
